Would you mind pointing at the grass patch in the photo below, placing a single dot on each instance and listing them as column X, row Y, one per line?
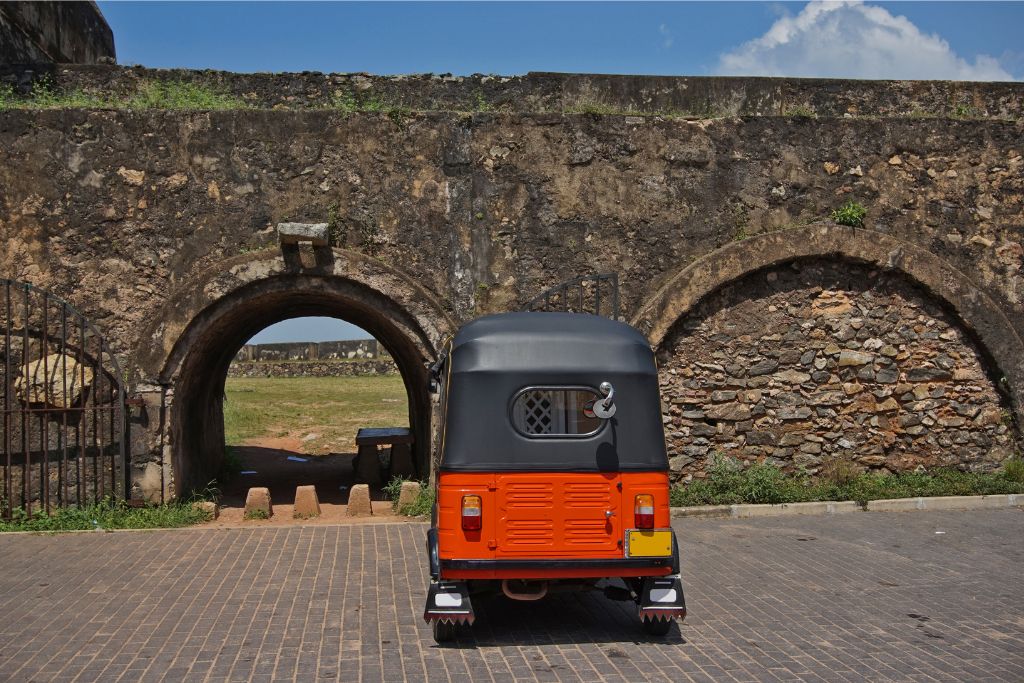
column 1013, row 469
column 333, row 408
column 257, row 514
column 185, row 96
column 729, row 483
column 851, row 213
column 350, row 102
column 421, row 507
column 108, row 515
column 801, row 112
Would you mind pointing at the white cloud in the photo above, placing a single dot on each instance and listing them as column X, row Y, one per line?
column 666, row 36
column 850, row 39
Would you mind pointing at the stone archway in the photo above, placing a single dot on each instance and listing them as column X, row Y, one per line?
column 981, row 317
column 184, row 356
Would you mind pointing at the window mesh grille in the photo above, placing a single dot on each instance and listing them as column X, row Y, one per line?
column 555, row 412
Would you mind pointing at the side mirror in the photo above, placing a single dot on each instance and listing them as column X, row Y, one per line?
column 604, row 408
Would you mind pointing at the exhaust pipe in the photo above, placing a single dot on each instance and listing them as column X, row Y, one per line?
column 511, row 594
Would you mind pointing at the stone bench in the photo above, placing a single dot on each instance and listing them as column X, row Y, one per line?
column 368, row 465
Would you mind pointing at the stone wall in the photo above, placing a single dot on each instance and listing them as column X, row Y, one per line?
column 695, row 98
column 354, row 368
column 807, row 363
column 54, row 32
column 476, row 194
column 331, row 350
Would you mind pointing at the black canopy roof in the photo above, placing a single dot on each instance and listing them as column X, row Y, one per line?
column 493, row 358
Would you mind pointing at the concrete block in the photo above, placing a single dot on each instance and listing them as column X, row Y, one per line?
column 896, row 504
column 401, row 461
column 293, row 233
column 966, row 502
column 306, row 503
column 825, row 507
column 209, row 507
column 409, row 493
column 946, row 503
column 703, row 511
column 359, row 501
column 257, row 503
column 368, row 465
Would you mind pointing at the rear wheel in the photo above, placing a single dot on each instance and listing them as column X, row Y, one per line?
column 656, row 627
column 444, row 632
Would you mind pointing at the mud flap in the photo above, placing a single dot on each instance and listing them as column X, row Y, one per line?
column 448, row 601
column 662, row 598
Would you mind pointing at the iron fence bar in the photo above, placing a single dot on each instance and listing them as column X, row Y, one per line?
column 64, row 414
column 110, row 432
column 97, row 476
column 79, row 425
column 44, row 423
column 615, row 295
column 8, row 385
column 125, row 446
column 26, row 502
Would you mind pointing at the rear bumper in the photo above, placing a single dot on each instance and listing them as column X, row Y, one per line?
column 555, row 568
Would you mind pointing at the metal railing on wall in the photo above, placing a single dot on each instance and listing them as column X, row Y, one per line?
column 65, row 417
column 597, row 294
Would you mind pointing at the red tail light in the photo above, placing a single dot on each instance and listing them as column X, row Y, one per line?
column 643, row 511
column 472, row 513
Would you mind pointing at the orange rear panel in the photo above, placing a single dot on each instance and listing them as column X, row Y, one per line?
column 544, row 516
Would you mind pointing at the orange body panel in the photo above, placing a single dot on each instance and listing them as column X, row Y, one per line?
column 556, row 516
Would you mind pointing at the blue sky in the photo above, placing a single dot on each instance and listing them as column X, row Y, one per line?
column 945, row 40
column 693, row 38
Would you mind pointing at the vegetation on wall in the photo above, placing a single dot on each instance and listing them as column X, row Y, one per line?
column 729, row 483
column 851, row 213
column 183, row 95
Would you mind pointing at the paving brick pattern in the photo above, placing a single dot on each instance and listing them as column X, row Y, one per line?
column 878, row 596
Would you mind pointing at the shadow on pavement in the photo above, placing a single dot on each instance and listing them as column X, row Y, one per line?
column 282, row 470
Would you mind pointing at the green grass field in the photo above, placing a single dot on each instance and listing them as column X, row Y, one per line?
column 331, row 408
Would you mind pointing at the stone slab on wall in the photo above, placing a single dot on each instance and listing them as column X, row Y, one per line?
column 54, row 32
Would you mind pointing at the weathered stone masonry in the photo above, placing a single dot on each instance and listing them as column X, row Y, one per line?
column 159, row 225
column 815, row 361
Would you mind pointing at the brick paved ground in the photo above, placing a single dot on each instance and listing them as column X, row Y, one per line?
column 877, row 596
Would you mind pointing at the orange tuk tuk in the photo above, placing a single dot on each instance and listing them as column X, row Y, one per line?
column 553, row 473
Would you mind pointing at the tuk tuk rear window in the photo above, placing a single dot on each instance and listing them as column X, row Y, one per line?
column 539, row 412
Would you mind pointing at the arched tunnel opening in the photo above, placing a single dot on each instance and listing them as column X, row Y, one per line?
column 213, row 339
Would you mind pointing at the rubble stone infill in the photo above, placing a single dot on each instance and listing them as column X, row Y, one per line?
column 355, row 368
column 808, row 364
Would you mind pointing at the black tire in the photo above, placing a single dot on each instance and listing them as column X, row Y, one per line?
column 656, row 627
column 444, row 632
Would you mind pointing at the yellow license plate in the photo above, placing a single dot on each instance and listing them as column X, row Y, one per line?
column 643, row 543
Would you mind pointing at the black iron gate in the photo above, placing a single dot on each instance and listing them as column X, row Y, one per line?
column 597, row 294
column 65, row 420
